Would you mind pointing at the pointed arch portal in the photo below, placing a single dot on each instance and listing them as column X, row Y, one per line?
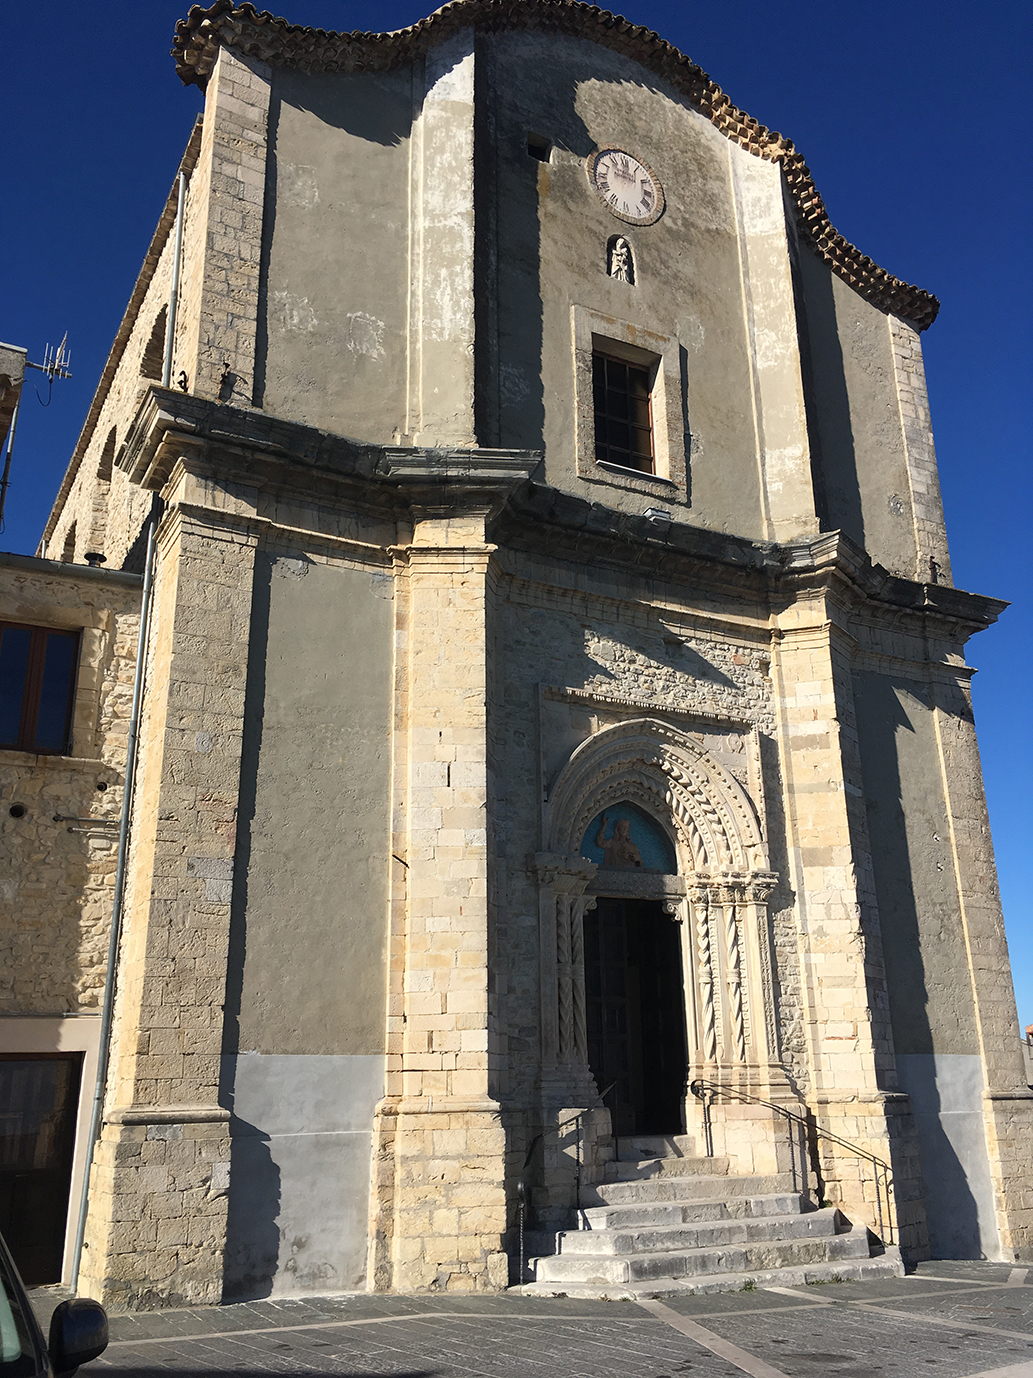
column 667, row 789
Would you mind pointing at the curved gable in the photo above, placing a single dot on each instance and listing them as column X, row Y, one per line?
column 262, row 36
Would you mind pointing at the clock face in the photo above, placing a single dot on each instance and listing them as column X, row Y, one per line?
column 626, row 186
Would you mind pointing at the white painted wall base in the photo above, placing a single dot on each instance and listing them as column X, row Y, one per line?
column 299, row 1172
column 946, row 1091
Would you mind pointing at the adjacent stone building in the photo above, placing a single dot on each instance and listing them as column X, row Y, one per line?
column 555, row 695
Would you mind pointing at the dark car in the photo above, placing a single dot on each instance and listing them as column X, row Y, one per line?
column 78, row 1331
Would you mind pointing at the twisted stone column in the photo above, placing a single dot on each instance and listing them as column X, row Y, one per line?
column 562, row 903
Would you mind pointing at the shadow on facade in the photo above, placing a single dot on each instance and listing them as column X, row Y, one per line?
column 951, row 1208
column 252, row 1233
column 827, row 402
column 252, row 1229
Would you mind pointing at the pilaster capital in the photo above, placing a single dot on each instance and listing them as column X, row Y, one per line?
column 456, row 479
column 759, row 885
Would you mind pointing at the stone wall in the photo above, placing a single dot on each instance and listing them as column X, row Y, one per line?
column 57, row 892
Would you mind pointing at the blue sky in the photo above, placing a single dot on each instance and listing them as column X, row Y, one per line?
column 912, row 117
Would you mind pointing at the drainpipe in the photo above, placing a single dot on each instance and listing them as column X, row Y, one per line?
column 170, row 325
column 5, row 481
column 107, row 1009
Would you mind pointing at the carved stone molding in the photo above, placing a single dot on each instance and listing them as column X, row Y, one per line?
column 562, row 902
column 673, row 778
column 719, row 897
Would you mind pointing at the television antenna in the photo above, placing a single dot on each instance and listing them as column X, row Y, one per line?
column 56, row 364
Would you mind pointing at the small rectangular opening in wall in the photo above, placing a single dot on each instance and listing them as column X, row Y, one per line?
column 538, row 147
column 622, row 401
column 661, row 358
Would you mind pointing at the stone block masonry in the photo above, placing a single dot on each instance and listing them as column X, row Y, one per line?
column 447, row 1197
column 59, row 852
column 223, row 247
column 932, row 554
column 165, row 1134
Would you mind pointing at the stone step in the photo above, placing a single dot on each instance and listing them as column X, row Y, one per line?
column 602, row 1270
column 685, row 1212
column 698, row 1187
column 663, row 1165
column 714, row 1234
column 640, row 1146
column 887, row 1265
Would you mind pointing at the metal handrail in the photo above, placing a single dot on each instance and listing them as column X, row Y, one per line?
column 706, row 1091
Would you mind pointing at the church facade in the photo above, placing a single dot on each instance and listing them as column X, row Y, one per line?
column 556, row 744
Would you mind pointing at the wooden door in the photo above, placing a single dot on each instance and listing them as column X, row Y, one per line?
column 635, row 1011
column 39, row 1105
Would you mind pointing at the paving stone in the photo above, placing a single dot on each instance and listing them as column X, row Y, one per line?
column 964, row 1327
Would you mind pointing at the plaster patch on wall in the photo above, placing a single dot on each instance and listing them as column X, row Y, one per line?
column 285, row 567
column 300, row 1171
column 692, row 335
column 770, row 347
column 298, row 184
column 365, row 335
column 295, row 313
column 758, row 190
column 513, row 385
column 946, row 1091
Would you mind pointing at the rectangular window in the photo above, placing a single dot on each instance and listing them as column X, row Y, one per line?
column 37, row 684
column 623, row 413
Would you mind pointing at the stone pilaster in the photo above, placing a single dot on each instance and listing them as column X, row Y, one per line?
column 447, row 1140
column 932, row 558
column 158, row 1201
column 850, row 1042
column 564, row 1044
column 222, row 247
column 769, row 320
column 1007, row 1100
column 441, row 303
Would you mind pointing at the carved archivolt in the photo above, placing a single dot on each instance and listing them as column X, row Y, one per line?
column 722, row 865
column 674, row 779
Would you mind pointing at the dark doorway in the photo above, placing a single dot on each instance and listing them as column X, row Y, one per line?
column 39, row 1103
column 636, row 1014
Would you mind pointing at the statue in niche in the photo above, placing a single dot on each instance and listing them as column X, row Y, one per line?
column 622, row 265
column 618, row 850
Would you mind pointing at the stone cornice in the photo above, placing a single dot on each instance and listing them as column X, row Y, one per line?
column 828, row 563
column 533, row 517
column 199, row 37
column 188, row 419
column 472, row 477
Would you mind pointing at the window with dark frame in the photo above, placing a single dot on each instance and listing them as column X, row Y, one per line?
column 623, row 413
column 37, row 684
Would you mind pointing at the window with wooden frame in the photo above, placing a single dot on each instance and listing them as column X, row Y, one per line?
column 622, row 399
column 37, row 688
